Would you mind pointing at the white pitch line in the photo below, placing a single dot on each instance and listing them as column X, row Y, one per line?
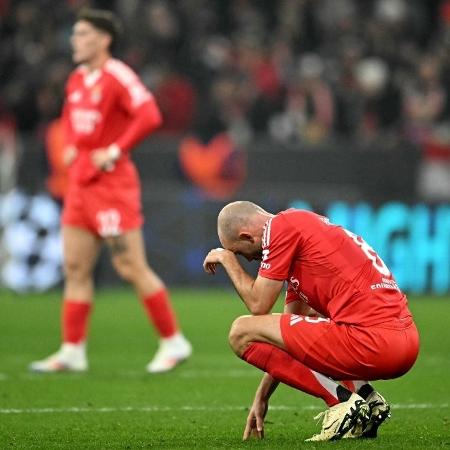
column 156, row 409
column 419, row 405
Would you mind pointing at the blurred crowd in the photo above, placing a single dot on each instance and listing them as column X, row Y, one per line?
column 301, row 70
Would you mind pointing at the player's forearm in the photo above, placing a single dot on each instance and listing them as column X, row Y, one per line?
column 266, row 387
column 243, row 283
column 147, row 119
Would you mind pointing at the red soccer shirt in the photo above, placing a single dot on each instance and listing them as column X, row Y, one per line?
column 331, row 269
column 107, row 106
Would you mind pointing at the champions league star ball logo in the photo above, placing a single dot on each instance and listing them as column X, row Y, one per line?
column 30, row 245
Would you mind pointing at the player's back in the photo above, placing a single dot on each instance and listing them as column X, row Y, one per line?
column 340, row 274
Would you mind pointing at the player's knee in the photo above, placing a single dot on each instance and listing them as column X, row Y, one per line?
column 74, row 269
column 127, row 269
column 124, row 268
column 239, row 336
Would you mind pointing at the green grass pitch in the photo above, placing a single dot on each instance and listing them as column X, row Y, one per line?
column 202, row 404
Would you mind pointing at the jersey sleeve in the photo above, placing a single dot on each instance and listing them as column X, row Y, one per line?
column 138, row 102
column 279, row 248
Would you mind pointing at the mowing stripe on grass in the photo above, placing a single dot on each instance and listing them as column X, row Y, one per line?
column 156, row 409
column 233, row 373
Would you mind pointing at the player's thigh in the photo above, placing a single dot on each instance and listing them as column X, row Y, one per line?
column 265, row 328
column 81, row 249
column 128, row 249
column 302, row 334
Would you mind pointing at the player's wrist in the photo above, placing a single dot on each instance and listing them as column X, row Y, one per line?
column 114, row 152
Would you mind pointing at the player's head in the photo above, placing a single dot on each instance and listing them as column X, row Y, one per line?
column 95, row 32
column 240, row 228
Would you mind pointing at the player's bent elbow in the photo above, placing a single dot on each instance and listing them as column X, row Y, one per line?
column 154, row 118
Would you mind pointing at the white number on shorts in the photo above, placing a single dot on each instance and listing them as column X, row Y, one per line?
column 295, row 318
column 109, row 222
column 377, row 262
column 316, row 319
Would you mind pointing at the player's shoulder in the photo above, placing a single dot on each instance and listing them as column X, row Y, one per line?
column 120, row 71
column 76, row 76
column 294, row 216
column 274, row 227
column 300, row 220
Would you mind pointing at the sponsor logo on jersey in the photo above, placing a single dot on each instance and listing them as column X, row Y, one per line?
column 386, row 283
column 84, row 120
column 75, row 96
column 265, row 256
column 296, row 287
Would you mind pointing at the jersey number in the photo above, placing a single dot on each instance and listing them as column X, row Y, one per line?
column 377, row 262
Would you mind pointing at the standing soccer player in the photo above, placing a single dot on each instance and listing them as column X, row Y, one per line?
column 107, row 112
column 345, row 317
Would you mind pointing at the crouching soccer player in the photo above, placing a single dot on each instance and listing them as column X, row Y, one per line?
column 107, row 112
column 345, row 318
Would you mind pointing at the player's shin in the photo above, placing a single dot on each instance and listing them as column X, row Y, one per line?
column 284, row 368
column 160, row 312
column 173, row 348
column 74, row 321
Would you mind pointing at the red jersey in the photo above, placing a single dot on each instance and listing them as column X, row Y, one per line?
column 331, row 269
column 107, row 106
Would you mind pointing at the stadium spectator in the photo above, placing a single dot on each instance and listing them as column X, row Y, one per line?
column 424, row 99
column 345, row 317
column 376, row 106
column 177, row 100
column 107, row 112
column 309, row 109
column 8, row 151
column 233, row 67
column 204, row 43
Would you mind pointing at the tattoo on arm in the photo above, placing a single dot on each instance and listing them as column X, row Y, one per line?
column 117, row 245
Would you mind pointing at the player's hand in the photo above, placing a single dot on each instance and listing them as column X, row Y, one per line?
column 101, row 159
column 105, row 158
column 214, row 257
column 70, row 153
column 255, row 420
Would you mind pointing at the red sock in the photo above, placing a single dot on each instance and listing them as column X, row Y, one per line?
column 74, row 318
column 349, row 385
column 160, row 313
column 284, row 368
